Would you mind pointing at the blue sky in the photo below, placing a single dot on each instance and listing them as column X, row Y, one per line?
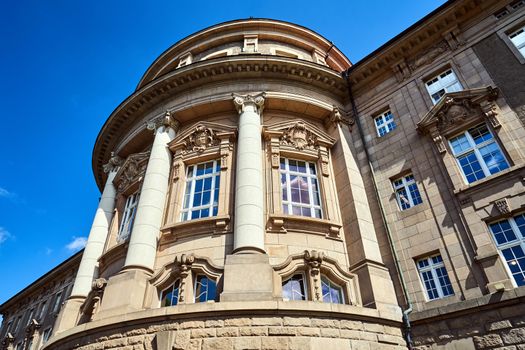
column 65, row 65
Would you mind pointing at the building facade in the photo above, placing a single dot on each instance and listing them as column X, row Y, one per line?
column 261, row 192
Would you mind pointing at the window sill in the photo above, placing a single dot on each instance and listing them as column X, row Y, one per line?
column 281, row 223
column 493, row 179
column 215, row 225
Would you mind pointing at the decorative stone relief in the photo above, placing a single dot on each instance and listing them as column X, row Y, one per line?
column 93, row 300
column 503, row 206
column 32, row 327
column 167, row 120
column 131, row 171
column 428, row 56
column 7, row 341
column 251, row 43
column 300, row 137
column 313, row 259
column 240, row 101
column 184, row 262
column 338, row 117
column 202, row 138
column 113, row 163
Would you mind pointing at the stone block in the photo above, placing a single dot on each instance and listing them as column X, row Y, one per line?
column 514, row 336
column 350, row 334
column 299, row 343
column 238, row 322
column 325, row 323
column 274, row 343
column 214, row 323
column 347, row 324
column 267, row 321
column 307, row 331
column 297, row 321
column 390, row 339
column 329, row 344
column 359, row 345
column 488, row 341
column 181, row 339
column 247, row 343
column 217, row 344
column 249, row 331
column 281, row 331
column 228, row 332
column 203, row 333
column 191, row 324
column 493, row 326
column 374, row 327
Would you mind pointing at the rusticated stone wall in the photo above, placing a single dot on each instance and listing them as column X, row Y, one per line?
column 502, row 327
column 242, row 333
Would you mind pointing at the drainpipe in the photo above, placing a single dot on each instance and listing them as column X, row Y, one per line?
column 406, row 320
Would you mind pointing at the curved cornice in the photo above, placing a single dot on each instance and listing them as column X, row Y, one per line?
column 267, row 28
column 225, row 69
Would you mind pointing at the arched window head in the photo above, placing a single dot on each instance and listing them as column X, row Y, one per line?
column 205, row 289
column 332, row 293
column 294, row 288
column 170, row 295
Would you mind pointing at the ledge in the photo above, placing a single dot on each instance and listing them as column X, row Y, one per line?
column 228, row 310
column 215, row 225
column 493, row 179
column 280, row 223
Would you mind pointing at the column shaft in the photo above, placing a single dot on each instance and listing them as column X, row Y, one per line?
column 143, row 242
column 249, row 200
column 96, row 240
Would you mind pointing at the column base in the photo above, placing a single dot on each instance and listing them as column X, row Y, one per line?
column 70, row 314
column 124, row 293
column 248, row 250
column 248, row 277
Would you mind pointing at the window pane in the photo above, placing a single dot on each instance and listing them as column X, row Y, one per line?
column 460, row 144
column 471, row 167
column 493, row 158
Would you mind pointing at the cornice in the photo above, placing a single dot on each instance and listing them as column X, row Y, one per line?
column 224, row 69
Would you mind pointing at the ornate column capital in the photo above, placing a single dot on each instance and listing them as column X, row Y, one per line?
column 167, row 120
column 241, row 101
column 114, row 162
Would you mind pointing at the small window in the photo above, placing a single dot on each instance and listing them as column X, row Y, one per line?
column 300, row 189
column 384, row 123
column 477, row 153
column 56, row 307
column 434, row 277
column 518, row 39
column 407, row 193
column 517, row 4
column 332, row 293
column 441, row 84
column 205, row 289
column 46, row 335
column 509, row 235
column 294, row 288
column 170, row 296
column 42, row 312
column 130, row 211
column 201, row 199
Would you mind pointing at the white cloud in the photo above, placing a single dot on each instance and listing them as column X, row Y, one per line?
column 77, row 243
column 5, row 193
column 4, row 235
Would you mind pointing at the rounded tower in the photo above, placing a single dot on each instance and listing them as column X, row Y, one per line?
column 233, row 212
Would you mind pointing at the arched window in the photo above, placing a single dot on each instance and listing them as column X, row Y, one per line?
column 332, row 293
column 170, row 295
column 205, row 289
column 294, row 288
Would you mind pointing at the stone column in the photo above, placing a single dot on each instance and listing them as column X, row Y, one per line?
column 150, row 210
column 87, row 270
column 249, row 201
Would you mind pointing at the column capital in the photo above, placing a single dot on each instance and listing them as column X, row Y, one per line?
column 241, row 101
column 113, row 164
column 167, row 120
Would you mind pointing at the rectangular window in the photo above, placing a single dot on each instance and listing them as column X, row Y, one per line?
column 477, row 153
column 384, row 123
column 509, row 235
column 56, row 307
column 294, row 288
column 434, row 277
column 407, row 193
column 441, row 84
column 128, row 218
column 42, row 312
column 300, row 189
column 201, row 199
column 46, row 335
column 205, row 289
column 518, row 39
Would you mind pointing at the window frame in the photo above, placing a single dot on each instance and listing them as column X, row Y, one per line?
column 196, row 281
column 214, row 191
column 385, row 123
column 128, row 216
column 46, row 334
column 171, row 286
column 475, row 149
column 521, row 47
column 518, row 241
column 58, row 299
column 432, row 267
column 305, row 286
column 405, row 185
column 440, row 76
column 309, row 178
column 332, row 285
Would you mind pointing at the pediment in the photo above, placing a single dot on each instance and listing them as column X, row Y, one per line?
column 200, row 136
column 456, row 109
column 132, row 170
column 299, row 134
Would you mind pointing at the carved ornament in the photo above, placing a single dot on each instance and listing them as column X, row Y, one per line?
column 167, row 120
column 131, row 171
column 300, row 137
column 313, row 259
column 8, row 339
column 184, row 262
column 202, row 138
column 241, row 101
column 113, row 163
column 503, row 206
column 338, row 117
column 32, row 327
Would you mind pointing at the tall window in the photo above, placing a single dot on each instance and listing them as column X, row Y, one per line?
column 332, row 293
column 201, row 199
column 170, row 295
column 477, row 153
column 205, row 289
column 46, row 335
column 518, row 39
column 130, row 210
column 407, row 193
column 434, row 277
column 300, row 189
column 56, row 307
column 509, row 235
column 42, row 312
column 294, row 288
column 441, row 84
column 384, row 123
